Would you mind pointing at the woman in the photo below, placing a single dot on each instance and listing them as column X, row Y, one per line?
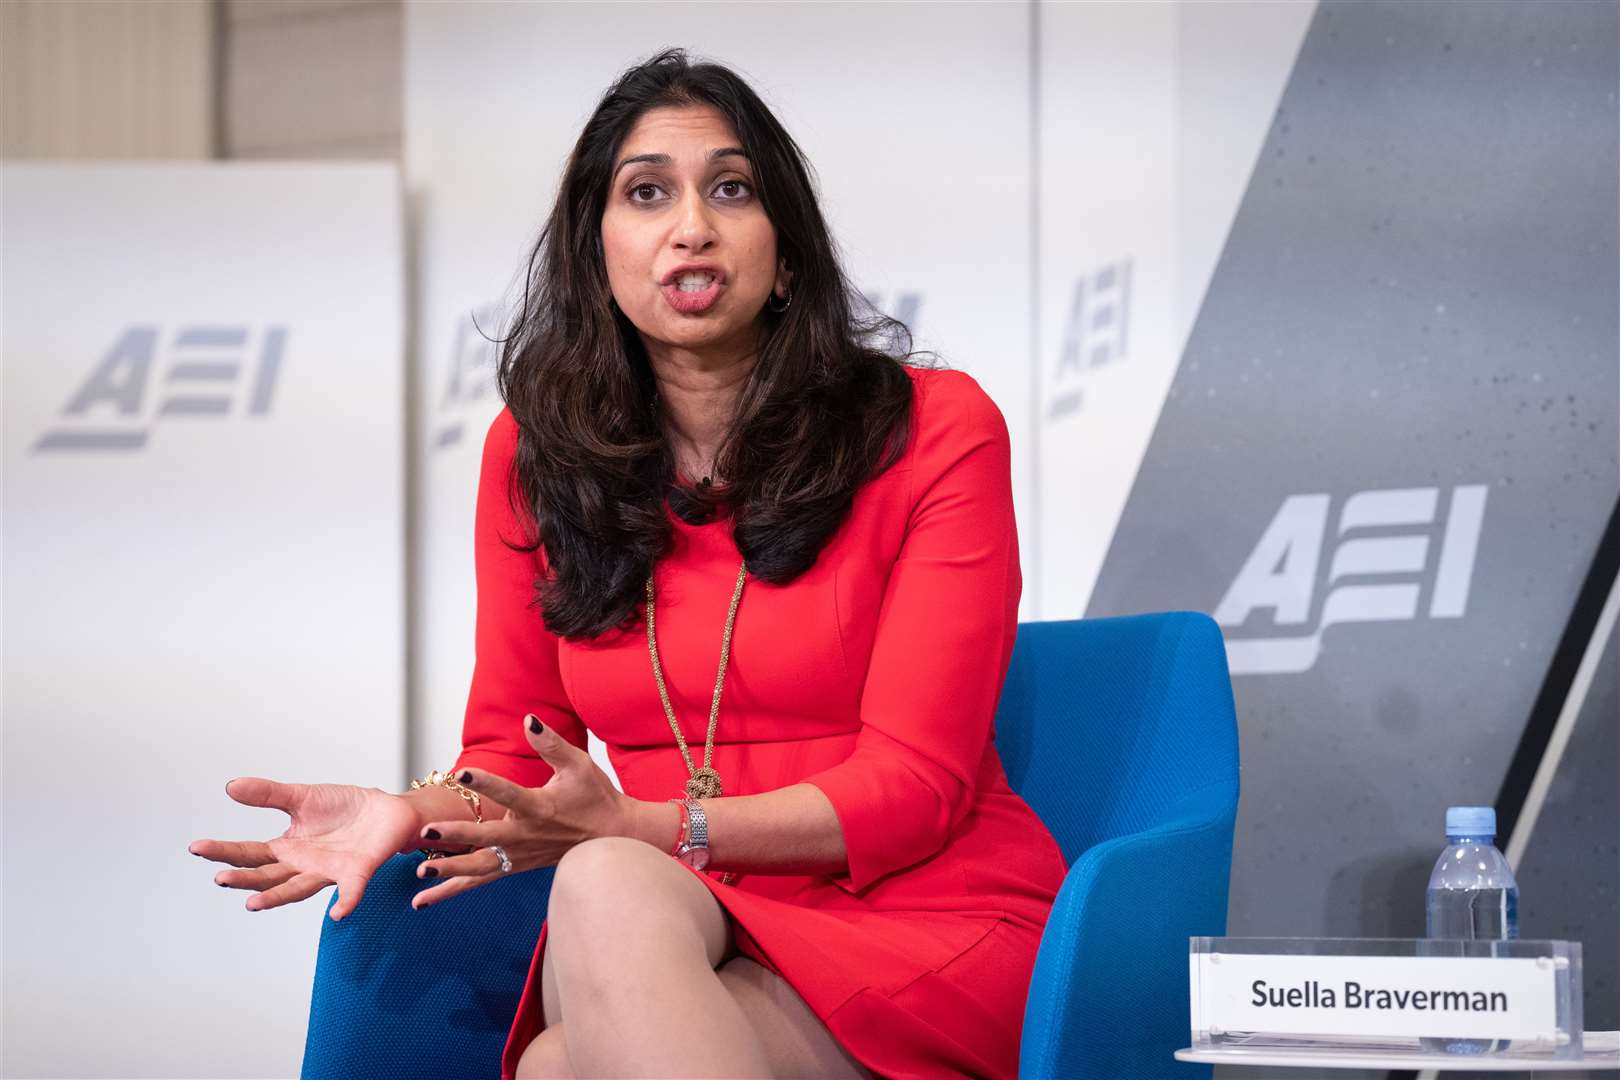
column 775, row 569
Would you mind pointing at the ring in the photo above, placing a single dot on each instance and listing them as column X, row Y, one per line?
column 500, row 853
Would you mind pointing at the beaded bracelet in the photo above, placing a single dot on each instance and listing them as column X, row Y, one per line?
column 435, row 778
column 680, row 837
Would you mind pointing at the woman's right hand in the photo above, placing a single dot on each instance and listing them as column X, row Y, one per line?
column 339, row 835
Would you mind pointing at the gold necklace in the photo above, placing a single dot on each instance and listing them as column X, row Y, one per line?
column 704, row 783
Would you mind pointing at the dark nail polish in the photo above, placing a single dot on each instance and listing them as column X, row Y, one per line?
column 430, row 834
column 430, row 871
column 222, row 885
column 466, row 777
column 534, row 725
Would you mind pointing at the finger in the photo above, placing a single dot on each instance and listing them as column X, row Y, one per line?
column 300, row 887
column 265, row 877
column 454, row 887
column 473, row 864
column 510, row 795
column 350, row 889
column 456, row 836
column 555, row 750
column 235, row 852
column 257, row 791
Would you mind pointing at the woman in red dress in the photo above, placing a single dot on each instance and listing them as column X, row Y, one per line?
column 802, row 650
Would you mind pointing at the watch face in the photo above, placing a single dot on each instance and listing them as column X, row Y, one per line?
column 695, row 857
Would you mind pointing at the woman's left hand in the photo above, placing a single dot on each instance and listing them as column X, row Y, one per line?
column 578, row 803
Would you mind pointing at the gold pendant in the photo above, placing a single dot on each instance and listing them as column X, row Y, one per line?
column 704, row 784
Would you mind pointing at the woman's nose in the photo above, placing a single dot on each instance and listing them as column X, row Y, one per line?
column 694, row 225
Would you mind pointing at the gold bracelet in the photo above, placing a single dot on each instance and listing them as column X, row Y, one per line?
column 435, row 778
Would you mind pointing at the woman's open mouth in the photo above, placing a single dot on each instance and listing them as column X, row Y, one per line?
column 694, row 293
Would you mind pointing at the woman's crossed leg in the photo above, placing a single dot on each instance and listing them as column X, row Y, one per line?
column 646, row 971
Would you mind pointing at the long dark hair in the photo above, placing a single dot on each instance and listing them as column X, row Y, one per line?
column 826, row 407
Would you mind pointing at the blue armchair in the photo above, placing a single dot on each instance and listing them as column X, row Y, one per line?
column 1119, row 732
column 1121, row 735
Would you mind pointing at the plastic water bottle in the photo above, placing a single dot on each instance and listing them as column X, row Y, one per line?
column 1473, row 896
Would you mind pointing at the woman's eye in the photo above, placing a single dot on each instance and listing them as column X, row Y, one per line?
column 743, row 184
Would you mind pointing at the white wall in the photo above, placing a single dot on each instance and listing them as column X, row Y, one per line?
column 1151, row 117
column 188, row 596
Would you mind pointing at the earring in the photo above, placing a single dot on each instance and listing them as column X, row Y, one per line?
column 786, row 304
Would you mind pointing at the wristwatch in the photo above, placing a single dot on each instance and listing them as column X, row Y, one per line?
column 693, row 849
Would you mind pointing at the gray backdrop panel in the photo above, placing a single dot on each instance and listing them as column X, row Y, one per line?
column 1419, row 292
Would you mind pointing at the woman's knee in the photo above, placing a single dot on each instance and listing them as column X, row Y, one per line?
column 596, row 880
column 605, row 890
column 546, row 1057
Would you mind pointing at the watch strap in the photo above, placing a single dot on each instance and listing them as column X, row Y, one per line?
column 694, row 831
column 697, row 824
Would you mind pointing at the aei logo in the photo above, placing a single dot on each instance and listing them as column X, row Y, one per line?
column 1281, row 574
column 211, row 372
column 1095, row 334
column 471, row 375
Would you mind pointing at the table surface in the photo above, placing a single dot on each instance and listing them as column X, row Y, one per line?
column 1600, row 1054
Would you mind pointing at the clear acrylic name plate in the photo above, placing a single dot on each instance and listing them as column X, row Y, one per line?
column 1423, row 995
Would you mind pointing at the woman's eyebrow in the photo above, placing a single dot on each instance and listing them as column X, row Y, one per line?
column 664, row 159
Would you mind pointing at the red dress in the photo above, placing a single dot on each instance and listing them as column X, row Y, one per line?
column 875, row 677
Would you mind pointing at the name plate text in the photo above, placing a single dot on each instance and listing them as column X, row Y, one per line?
column 1441, row 996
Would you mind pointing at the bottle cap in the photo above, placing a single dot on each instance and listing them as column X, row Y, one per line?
column 1471, row 821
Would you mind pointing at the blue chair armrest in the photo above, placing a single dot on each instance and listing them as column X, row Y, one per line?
column 1109, row 994
column 427, row 993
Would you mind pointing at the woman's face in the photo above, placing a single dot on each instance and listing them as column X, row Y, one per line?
column 694, row 203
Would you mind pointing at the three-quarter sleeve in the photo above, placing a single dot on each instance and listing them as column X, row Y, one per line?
column 515, row 669
column 944, row 639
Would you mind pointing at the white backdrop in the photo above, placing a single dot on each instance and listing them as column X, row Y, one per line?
column 919, row 121
column 1151, row 116
column 203, row 579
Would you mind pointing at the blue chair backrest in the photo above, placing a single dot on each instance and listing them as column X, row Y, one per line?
column 1112, row 725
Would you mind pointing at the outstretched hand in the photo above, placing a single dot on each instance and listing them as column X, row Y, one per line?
column 339, row 834
column 578, row 803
